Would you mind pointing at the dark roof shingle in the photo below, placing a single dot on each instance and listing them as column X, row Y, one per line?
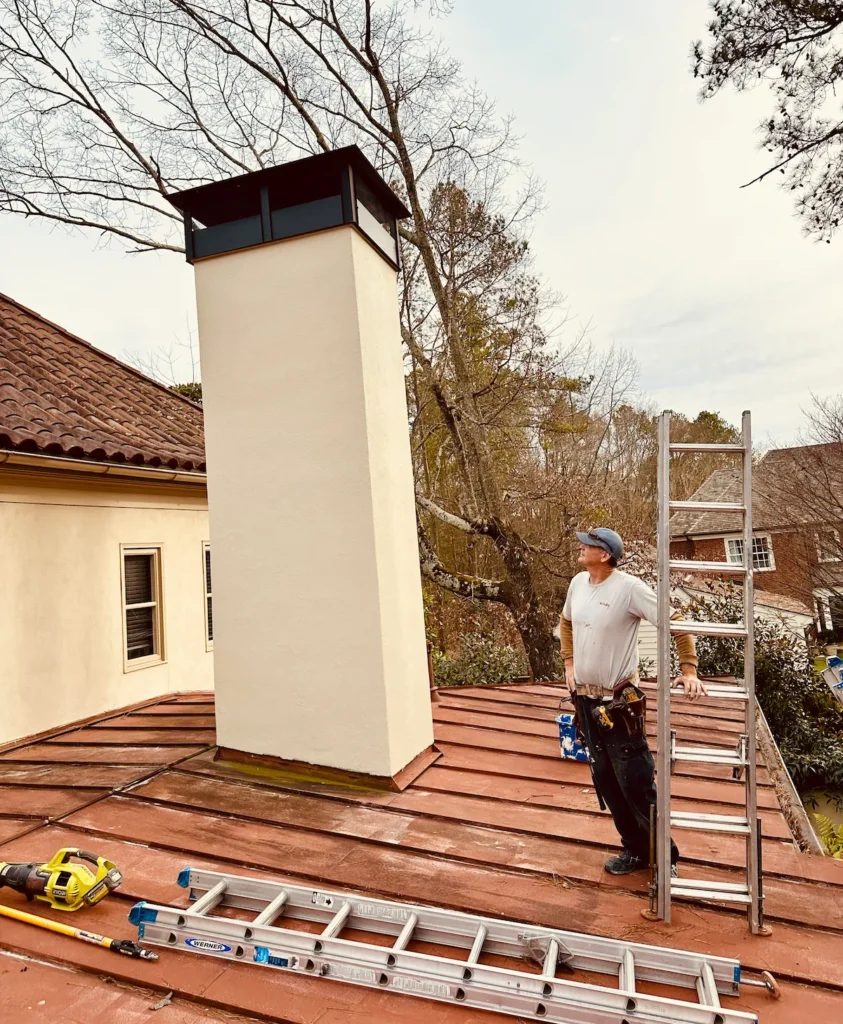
column 61, row 396
column 788, row 488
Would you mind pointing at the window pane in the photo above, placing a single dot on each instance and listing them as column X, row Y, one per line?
column 761, row 553
column 828, row 546
column 138, row 574
column 734, row 550
column 835, row 607
column 140, row 632
column 210, row 619
column 207, row 570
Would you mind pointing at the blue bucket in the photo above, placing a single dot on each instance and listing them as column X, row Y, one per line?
column 569, row 746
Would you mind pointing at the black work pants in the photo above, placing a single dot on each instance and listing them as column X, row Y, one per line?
column 624, row 774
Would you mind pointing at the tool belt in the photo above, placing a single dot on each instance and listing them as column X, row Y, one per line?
column 627, row 707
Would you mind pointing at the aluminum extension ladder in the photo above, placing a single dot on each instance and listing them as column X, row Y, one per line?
column 742, row 758
column 459, row 979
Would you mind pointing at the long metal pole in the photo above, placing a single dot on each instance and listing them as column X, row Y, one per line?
column 663, row 806
column 753, row 879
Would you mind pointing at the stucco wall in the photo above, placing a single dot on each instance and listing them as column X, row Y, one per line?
column 61, row 627
column 320, row 648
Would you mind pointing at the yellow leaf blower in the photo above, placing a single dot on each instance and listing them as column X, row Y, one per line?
column 63, row 883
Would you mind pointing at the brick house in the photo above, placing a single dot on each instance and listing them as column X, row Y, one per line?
column 797, row 529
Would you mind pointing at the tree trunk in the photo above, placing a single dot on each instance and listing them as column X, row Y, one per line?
column 531, row 620
column 539, row 645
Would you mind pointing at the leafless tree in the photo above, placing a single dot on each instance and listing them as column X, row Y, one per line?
column 804, row 484
column 794, row 48
column 107, row 106
column 173, row 364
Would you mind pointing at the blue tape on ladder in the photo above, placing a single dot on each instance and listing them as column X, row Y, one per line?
column 263, row 956
column 184, row 877
column 140, row 913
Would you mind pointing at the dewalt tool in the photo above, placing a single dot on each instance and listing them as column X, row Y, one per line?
column 628, row 706
column 126, row 947
column 62, row 882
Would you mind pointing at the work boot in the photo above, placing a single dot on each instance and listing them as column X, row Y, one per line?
column 625, row 863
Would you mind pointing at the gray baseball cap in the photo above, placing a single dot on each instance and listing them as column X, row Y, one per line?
column 604, row 538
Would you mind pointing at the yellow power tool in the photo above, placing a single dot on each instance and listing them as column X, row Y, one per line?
column 62, row 882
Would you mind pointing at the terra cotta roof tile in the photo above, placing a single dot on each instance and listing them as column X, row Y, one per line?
column 61, row 396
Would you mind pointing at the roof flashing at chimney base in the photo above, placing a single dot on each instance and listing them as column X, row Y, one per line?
column 281, row 770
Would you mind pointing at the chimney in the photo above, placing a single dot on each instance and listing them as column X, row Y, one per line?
column 319, row 644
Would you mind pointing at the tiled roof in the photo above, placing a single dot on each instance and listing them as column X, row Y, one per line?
column 781, row 602
column 769, row 502
column 710, row 585
column 61, row 396
column 500, row 825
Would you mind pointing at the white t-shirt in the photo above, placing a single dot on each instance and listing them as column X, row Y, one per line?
column 605, row 618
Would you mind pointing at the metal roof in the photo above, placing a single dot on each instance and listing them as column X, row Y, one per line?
column 499, row 825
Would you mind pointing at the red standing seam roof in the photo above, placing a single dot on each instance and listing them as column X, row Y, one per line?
column 500, row 825
column 61, row 396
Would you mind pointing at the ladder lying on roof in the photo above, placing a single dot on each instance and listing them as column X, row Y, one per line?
column 742, row 758
column 463, row 979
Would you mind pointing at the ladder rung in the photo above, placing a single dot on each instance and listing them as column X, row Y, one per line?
column 725, row 892
column 708, row 755
column 689, row 565
column 707, row 628
column 551, row 960
column 406, row 932
column 477, row 946
column 337, row 922
column 717, row 690
column 271, row 910
column 207, row 902
column 706, row 506
column 707, row 988
column 710, row 822
column 708, row 449
column 626, row 976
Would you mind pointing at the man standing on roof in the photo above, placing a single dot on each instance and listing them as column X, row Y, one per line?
column 599, row 638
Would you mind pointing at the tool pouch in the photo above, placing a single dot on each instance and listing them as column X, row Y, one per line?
column 630, row 705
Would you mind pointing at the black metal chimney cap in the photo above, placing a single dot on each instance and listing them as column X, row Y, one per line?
column 300, row 181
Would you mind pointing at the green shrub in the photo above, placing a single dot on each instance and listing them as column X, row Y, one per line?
column 831, row 835
column 480, row 661
column 803, row 716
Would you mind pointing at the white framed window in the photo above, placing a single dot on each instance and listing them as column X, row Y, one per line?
column 143, row 622
column 762, row 552
column 828, row 546
column 829, row 609
column 209, row 611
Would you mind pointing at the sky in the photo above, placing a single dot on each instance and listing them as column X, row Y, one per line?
column 714, row 289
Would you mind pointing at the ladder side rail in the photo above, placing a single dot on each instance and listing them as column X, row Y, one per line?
column 663, row 693
column 663, row 807
column 452, row 927
column 752, row 860
column 424, row 974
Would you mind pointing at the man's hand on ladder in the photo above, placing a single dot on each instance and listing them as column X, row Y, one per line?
column 690, row 682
